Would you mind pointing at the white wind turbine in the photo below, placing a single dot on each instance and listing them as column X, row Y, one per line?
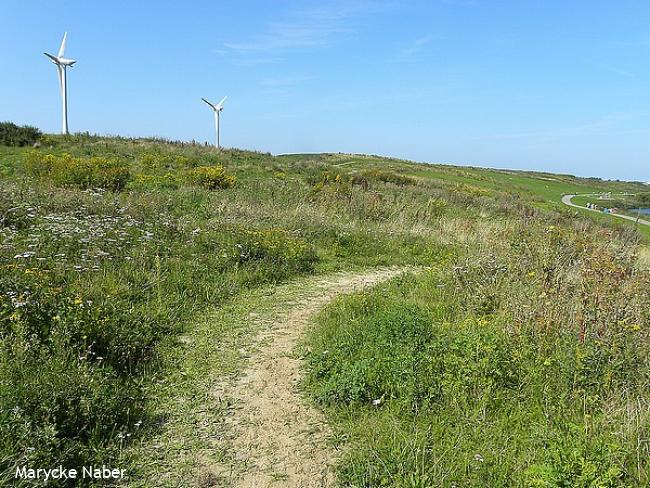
column 217, row 115
column 61, row 66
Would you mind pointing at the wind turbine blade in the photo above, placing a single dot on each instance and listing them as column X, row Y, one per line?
column 59, row 72
column 53, row 58
column 220, row 104
column 62, row 48
column 213, row 107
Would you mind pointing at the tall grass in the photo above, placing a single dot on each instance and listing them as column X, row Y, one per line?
column 99, row 265
column 110, row 246
column 523, row 363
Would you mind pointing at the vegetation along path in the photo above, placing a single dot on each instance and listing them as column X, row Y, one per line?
column 251, row 428
column 566, row 199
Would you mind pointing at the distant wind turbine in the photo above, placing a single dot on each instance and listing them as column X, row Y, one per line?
column 217, row 116
column 61, row 66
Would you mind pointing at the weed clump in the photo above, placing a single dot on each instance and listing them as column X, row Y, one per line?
column 275, row 246
column 157, row 161
column 212, row 177
column 143, row 181
column 363, row 179
column 389, row 177
column 80, row 172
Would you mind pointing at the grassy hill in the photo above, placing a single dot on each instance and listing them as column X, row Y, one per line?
column 540, row 190
column 519, row 359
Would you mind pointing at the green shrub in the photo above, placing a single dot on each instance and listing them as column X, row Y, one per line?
column 276, row 248
column 389, row 177
column 66, row 363
column 80, row 172
column 14, row 135
column 345, row 181
column 397, row 352
column 579, row 460
column 327, row 178
column 13, row 214
column 169, row 180
column 212, row 177
column 158, row 161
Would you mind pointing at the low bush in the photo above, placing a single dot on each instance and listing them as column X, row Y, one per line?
column 276, row 249
column 14, row 135
column 80, row 172
column 401, row 353
column 157, row 161
column 389, row 177
column 320, row 180
column 169, row 181
column 212, row 177
column 67, row 361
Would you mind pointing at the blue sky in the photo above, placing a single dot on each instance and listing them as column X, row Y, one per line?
column 562, row 86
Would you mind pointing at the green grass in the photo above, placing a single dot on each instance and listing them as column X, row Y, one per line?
column 103, row 277
column 545, row 186
column 539, row 190
column 94, row 280
column 521, row 365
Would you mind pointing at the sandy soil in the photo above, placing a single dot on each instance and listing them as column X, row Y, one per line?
column 278, row 438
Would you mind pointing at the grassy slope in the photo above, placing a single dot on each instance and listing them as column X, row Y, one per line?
column 93, row 282
column 548, row 186
column 286, row 216
column 541, row 190
column 505, row 369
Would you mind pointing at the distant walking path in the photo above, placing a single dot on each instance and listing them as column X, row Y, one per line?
column 566, row 199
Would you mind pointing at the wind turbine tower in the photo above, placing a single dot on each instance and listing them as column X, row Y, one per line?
column 217, row 116
column 61, row 65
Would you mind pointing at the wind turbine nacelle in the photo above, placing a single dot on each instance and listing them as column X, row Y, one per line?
column 61, row 61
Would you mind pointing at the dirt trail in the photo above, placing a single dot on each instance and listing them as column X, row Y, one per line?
column 278, row 438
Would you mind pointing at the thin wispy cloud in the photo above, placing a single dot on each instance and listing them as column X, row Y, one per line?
column 461, row 3
column 282, row 86
column 306, row 28
column 285, row 35
column 252, row 59
column 416, row 46
column 615, row 70
column 284, row 81
column 611, row 123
